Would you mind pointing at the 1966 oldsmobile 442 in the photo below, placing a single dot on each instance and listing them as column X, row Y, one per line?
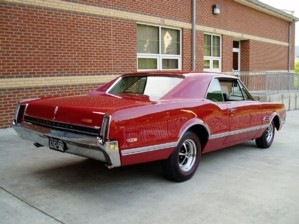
column 143, row 117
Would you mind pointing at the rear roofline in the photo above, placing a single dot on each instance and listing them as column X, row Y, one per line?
column 157, row 73
column 178, row 74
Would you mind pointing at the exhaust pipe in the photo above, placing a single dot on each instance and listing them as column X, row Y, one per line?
column 37, row 145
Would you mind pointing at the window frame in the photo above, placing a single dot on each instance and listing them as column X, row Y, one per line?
column 219, row 91
column 246, row 96
column 212, row 58
column 161, row 56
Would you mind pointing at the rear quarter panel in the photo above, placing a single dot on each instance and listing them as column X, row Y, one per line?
column 161, row 124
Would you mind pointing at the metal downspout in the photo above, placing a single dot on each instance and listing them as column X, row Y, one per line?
column 193, row 35
column 290, row 44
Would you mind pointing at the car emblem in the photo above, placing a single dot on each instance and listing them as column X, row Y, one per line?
column 266, row 118
column 55, row 112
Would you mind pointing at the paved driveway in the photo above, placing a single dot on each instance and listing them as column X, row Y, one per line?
column 240, row 184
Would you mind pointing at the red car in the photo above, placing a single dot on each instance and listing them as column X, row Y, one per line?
column 143, row 117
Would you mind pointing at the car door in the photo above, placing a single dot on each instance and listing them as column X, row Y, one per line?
column 218, row 119
column 244, row 113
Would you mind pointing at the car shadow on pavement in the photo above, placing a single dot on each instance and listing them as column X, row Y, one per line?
column 244, row 147
column 86, row 173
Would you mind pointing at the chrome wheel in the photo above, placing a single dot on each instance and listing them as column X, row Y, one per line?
column 187, row 155
column 265, row 141
column 184, row 160
column 269, row 133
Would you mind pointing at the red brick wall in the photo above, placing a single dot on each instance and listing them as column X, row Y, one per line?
column 239, row 18
column 265, row 56
column 245, row 55
column 227, row 53
column 171, row 9
column 52, row 42
column 187, row 50
column 255, row 56
column 199, row 51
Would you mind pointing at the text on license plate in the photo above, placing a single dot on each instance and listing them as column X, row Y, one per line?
column 57, row 144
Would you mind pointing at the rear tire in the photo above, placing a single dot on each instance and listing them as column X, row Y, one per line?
column 183, row 162
column 265, row 141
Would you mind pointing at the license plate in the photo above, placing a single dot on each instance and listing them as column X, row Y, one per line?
column 57, row 144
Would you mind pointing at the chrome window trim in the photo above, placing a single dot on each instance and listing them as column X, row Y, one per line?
column 208, row 89
column 245, row 89
column 116, row 81
column 240, row 83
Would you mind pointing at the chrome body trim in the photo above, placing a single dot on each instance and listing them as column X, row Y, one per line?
column 240, row 131
column 128, row 152
column 62, row 126
column 133, row 151
column 280, row 120
column 77, row 144
column 198, row 122
column 18, row 111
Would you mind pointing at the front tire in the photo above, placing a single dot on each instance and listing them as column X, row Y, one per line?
column 183, row 162
column 265, row 141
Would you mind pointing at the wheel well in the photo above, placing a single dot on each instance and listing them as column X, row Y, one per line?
column 276, row 122
column 201, row 133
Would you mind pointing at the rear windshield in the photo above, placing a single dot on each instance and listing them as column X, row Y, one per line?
column 154, row 87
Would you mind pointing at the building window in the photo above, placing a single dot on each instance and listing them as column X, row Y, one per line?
column 158, row 48
column 212, row 53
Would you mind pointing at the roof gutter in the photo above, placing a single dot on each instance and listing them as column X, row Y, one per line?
column 262, row 7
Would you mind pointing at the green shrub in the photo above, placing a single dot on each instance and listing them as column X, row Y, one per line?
column 297, row 67
column 296, row 81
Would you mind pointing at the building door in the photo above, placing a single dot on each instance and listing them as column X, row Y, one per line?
column 236, row 56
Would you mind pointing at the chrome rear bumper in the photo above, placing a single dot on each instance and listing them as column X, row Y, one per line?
column 77, row 144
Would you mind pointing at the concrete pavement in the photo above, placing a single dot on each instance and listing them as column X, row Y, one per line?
column 240, row 184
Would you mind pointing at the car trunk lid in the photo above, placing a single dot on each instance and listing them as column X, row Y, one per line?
column 84, row 110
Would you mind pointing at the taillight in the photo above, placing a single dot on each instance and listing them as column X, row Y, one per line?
column 20, row 112
column 104, row 132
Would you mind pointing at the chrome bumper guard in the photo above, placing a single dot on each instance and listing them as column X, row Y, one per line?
column 77, row 144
